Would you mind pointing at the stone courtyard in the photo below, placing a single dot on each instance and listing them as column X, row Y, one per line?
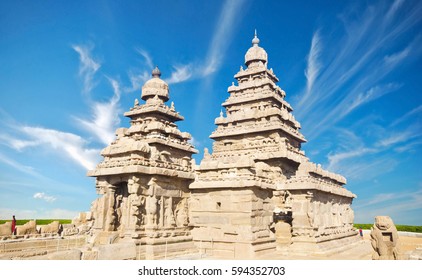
column 255, row 196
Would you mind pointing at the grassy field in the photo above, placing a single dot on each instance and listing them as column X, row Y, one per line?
column 399, row 227
column 39, row 222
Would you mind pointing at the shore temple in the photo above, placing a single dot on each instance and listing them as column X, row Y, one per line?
column 255, row 193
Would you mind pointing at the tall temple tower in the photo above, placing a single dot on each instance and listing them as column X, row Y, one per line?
column 144, row 177
column 258, row 182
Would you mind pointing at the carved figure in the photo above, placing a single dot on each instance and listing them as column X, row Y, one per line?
column 182, row 213
column 384, row 239
column 135, row 209
column 168, row 213
column 69, row 231
column 111, row 219
column 28, row 228
column 151, row 208
column 53, row 227
column 6, row 229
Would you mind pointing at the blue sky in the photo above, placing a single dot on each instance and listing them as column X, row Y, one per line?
column 69, row 69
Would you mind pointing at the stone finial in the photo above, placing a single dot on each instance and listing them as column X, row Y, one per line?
column 156, row 73
column 255, row 40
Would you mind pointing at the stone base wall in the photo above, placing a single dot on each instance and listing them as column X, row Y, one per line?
column 232, row 223
column 166, row 248
column 25, row 248
column 313, row 247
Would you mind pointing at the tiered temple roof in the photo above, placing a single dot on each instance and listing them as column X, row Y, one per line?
column 152, row 144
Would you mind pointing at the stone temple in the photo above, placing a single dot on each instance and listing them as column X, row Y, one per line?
column 254, row 194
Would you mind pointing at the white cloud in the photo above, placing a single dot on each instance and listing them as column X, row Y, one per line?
column 22, row 168
column 396, row 205
column 348, row 73
column 406, row 135
column 370, row 95
column 222, row 35
column 41, row 195
column 73, row 146
column 394, row 7
column 137, row 80
column 181, row 74
column 412, row 112
column 396, row 58
column 147, row 57
column 105, row 118
column 88, row 66
column 194, row 142
column 334, row 160
column 314, row 65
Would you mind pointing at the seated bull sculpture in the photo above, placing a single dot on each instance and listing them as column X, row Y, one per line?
column 6, row 229
column 53, row 227
column 28, row 228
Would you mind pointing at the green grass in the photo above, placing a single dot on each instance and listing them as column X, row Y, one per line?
column 39, row 221
column 399, row 227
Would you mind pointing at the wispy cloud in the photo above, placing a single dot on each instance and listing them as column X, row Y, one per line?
column 349, row 72
column 43, row 196
column 18, row 166
column 334, row 160
column 137, row 79
column 181, row 74
column 406, row 116
column 72, row 145
column 68, row 144
column 394, row 7
column 88, row 66
column 414, row 131
column 314, row 65
column 147, row 57
column 105, row 116
column 221, row 39
column 394, row 204
column 396, row 58
column 357, row 160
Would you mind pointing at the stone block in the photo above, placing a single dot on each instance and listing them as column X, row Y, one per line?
column 118, row 251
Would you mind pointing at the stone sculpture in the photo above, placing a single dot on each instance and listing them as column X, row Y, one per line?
column 28, row 228
column 384, row 239
column 6, row 229
column 53, row 227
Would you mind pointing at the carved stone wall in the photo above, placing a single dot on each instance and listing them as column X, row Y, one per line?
column 232, row 223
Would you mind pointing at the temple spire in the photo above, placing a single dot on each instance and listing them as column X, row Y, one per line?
column 255, row 40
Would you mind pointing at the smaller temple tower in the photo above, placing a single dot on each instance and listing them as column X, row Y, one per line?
column 144, row 177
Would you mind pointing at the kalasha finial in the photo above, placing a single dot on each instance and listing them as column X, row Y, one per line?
column 255, row 40
column 156, row 73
